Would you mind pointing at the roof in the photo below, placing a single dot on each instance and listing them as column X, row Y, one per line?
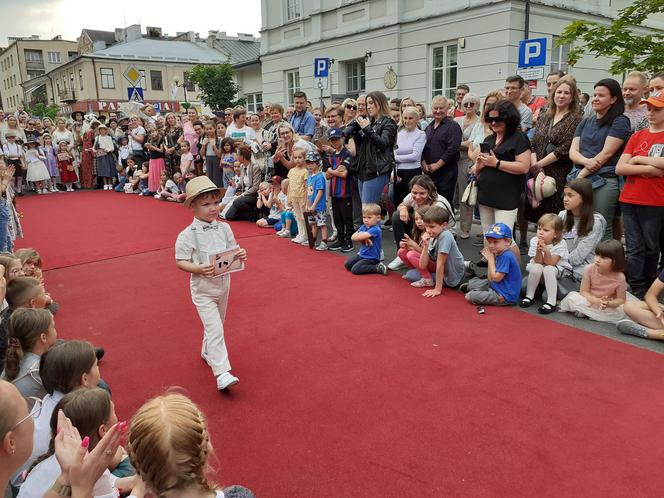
column 107, row 37
column 151, row 49
column 240, row 51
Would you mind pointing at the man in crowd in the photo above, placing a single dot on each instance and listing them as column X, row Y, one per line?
column 302, row 121
column 634, row 88
column 461, row 91
column 513, row 90
column 362, row 105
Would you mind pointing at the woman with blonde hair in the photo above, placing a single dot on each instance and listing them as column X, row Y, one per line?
column 169, row 445
column 349, row 107
column 375, row 136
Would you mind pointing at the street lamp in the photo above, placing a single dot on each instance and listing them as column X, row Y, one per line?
column 176, row 82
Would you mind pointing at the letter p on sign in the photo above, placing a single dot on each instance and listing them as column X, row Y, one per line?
column 532, row 52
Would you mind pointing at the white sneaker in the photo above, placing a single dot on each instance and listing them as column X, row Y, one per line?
column 298, row 240
column 54, row 190
column 284, row 233
column 396, row 264
column 39, row 191
column 226, row 380
column 45, row 191
column 322, row 246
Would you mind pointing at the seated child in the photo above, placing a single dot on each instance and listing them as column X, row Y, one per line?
column 603, row 286
column 410, row 248
column 503, row 283
column 268, row 198
column 126, row 174
column 316, row 199
column 548, row 259
column 443, row 250
column 143, row 180
column 229, row 195
column 645, row 318
column 173, row 189
column 163, row 178
column 287, row 225
column 370, row 237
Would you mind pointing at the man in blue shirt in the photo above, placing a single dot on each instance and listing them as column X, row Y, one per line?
column 302, row 121
column 503, row 283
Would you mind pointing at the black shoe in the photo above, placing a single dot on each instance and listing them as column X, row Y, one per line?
column 546, row 309
column 99, row 353
column 347, row 248
column 464, row 287
column 526, row 302
column 482, row 264
column 337, row 246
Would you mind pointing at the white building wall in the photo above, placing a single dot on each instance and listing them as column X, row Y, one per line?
column 401, row 34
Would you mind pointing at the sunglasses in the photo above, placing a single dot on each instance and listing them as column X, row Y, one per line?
column 349, row 106
column 497, row 119
column 470, row 104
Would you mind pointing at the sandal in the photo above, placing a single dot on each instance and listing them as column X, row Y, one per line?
column 546, row 309
column 526, row 302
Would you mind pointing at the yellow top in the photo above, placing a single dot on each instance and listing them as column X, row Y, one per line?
column 297, row 183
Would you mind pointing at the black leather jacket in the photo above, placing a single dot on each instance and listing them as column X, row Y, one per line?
column 375, row 149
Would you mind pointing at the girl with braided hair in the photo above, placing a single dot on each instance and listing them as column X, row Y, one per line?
column 169, row 445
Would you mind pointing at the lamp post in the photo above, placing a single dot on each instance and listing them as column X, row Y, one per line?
column 176, row 82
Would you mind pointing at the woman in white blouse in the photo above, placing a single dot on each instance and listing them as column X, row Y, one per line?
column 410, row 143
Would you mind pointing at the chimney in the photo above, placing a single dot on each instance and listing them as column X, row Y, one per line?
column 120, row 35
column 133, row 32
column 212, row 35
column 245, row 37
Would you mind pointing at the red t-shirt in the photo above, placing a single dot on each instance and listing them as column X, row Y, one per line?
column 639, row 189
column 458, row 112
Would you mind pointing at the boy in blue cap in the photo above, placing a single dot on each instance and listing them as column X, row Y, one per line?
column 503, row 283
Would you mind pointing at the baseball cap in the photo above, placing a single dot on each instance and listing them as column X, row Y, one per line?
column 499, row 231
column 334, row 133
column 275, row 180
column 656, row 99
column 313, row 157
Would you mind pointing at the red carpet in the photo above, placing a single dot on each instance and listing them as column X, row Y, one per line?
column 353, row 386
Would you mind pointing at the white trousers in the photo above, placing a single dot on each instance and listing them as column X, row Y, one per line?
column 210, row 296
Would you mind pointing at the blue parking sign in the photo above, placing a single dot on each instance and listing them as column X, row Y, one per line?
column 532, row 52
column 321, row 67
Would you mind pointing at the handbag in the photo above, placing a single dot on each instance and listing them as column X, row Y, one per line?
column 469, row 197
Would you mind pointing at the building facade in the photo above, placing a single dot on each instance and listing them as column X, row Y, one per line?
column 26, row 59
column 431, row 46
column 99, row 81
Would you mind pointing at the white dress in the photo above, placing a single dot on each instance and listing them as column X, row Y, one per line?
column 37, row 170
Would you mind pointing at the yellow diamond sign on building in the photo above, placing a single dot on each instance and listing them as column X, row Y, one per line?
column 133, row 75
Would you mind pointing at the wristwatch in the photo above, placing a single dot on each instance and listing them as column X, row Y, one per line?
column 61, row 489
column 498, row 165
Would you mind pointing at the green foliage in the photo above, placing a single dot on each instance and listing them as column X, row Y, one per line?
column 619, row 39
column 41, row 110
column 217, row 87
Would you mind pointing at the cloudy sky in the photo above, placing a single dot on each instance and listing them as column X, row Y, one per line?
column 48, row 18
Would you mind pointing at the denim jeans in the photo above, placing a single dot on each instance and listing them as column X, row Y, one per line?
column 372, row 190
column 606, row 203
column 5, row 242
column 121, row 183
column 358, row 266
column 643, row 225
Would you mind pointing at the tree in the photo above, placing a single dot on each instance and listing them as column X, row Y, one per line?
column 619, row 40
column 41, row 110
column 217, row 88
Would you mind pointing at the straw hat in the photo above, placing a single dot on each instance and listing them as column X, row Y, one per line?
column 544, row 186
column 198, row 186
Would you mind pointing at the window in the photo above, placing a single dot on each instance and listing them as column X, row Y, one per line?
column 253, row 101
column 33, row 56
column 80, row 78
column 156, row 81
column 355, row 77
column 191, row 86
column 292, row 84
column 559, row 55
column 142, row 82
column 292, row 10
column 54, row 57
column 107, row 79
column 444, row 70
column 34, row 74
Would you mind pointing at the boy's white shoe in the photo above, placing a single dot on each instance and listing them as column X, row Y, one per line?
column 226, row 380
column 396, row 264
column 298, row 239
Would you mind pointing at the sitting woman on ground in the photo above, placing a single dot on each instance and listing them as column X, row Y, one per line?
column 422, row 193
column 169, row 446
column 31, row 334
column 92, row 413
column 244, row 204
column 582, row 226
column 65, row 367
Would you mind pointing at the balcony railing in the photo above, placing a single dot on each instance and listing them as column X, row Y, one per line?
column 67, row 96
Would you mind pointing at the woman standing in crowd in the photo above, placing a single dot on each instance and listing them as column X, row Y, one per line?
column 468, row 123
column 103, row 150
column 172, row 134
column 642, row 198
column 410, row 144
column 47, row 125
column 551, row 142
column 87, row 173
column 350, row 110
column 12, row 125
column 321, row 129
column 423, row 192
column 284, row 149
column 271, row 129
column 188, row 131
column 61, row 133
column 441, row 152
column 501, row 170
column 259, row 155
column 136, row 135
column 375, row 150
column 597, row 145
column 480, row 132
